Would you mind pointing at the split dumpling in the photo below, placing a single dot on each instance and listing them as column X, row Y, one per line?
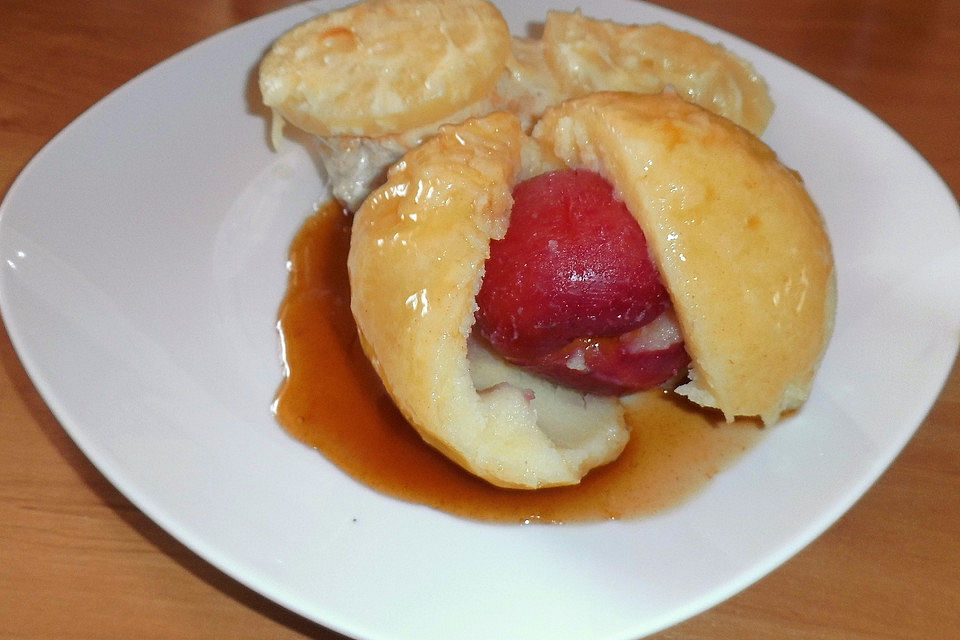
column 737, row 240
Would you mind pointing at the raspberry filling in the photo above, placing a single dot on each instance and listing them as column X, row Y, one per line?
column 570, row 292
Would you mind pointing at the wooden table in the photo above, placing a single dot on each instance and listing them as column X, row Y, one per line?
column 77, row 560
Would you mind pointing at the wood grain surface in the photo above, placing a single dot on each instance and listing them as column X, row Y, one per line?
column 77, row 560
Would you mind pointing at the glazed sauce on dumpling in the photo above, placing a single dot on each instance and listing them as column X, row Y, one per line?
column 332, row 400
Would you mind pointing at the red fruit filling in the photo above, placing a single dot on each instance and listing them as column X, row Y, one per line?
column 571, row 294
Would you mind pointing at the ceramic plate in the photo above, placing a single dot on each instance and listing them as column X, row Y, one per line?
column 143, row 261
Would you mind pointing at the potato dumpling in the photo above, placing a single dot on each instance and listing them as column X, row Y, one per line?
column 383, row 67
column 590, row 55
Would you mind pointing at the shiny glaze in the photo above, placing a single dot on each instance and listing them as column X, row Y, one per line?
column 333, row 401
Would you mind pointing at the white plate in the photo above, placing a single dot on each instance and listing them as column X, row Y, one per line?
column 143, row 261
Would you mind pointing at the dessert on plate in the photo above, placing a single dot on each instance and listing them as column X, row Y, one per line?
column 546, row 225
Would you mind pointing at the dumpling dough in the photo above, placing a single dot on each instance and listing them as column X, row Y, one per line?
column 382, row 67
column 590, row 55
column 738, row 242
column 416, row 260
column 373, row 80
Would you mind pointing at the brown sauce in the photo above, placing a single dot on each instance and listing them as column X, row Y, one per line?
column 333, row 400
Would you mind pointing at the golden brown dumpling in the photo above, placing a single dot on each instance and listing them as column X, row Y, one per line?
column 597, row 55
column 373, row 80
column 416, row 261
column 384, row 67
column 738, row 242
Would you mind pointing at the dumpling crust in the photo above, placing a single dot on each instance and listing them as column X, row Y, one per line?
column 416, row 259
column 591, row 55
column 738, row 241
column 383, row 67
